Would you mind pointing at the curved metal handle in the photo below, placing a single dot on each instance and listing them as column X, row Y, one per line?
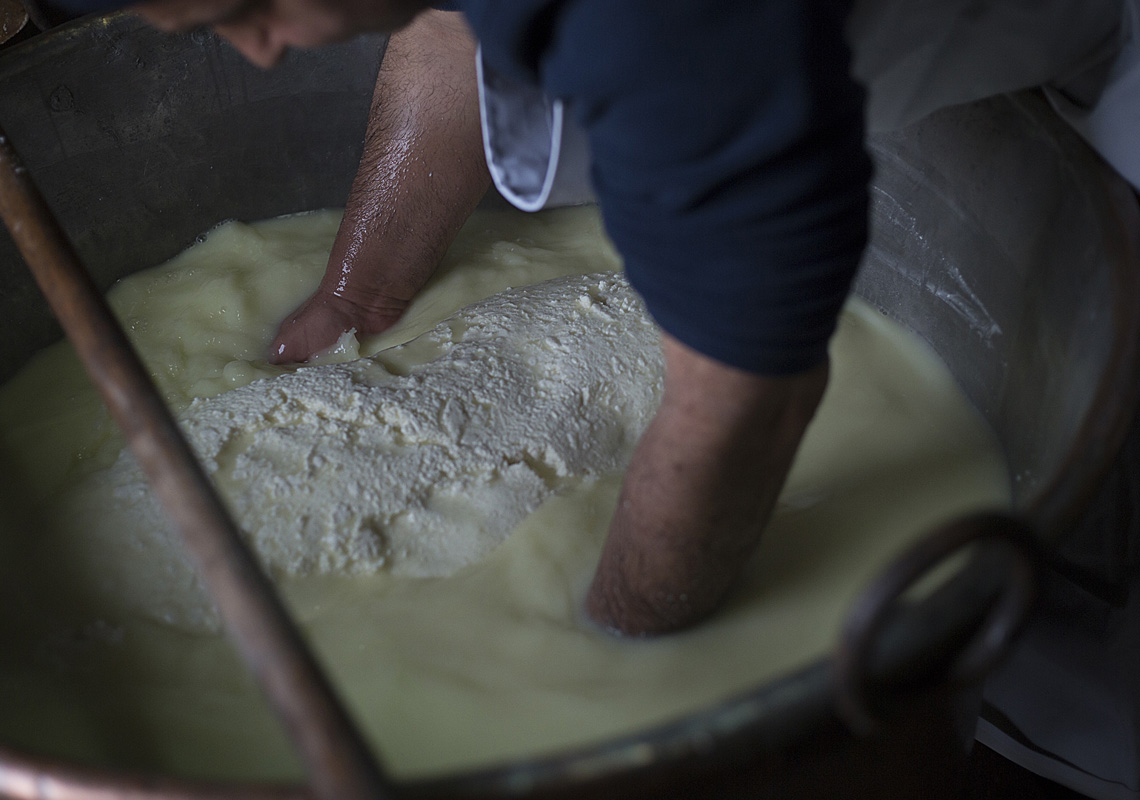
column 872, row 609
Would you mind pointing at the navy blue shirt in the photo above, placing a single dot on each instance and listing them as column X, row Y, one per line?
column 727, row 143
column 728, row 159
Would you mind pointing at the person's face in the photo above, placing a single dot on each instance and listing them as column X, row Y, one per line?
column 262, row 30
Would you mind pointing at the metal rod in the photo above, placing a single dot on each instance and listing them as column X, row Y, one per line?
column 339, row 765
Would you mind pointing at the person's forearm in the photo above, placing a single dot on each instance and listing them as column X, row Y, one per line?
column 421, row 175
column 701, row 486
column 423, row 169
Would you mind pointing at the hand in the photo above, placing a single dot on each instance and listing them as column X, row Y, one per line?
column 320, row 321
column 701, row 486
column 421, row 175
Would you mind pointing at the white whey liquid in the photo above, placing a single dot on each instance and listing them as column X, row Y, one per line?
column 432, row 516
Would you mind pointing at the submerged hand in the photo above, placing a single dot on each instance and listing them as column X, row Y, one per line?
column 421, row 175
column 321, row 320
column 699, row 490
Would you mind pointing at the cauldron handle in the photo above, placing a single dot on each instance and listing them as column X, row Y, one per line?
column 871, row 610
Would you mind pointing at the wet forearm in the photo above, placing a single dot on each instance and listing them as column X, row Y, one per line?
column 421, row 175
column 702, row 484
column 422, row 171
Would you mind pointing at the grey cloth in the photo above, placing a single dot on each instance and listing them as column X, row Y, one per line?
column 914, row 57
column 1067, row 703
column 1102, row 102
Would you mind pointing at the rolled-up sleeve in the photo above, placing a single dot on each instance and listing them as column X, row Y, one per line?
column 728, row 158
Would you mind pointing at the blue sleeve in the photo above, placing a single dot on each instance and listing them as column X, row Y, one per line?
column 727, row 144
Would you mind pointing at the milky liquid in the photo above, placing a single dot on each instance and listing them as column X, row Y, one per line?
column 492, row 663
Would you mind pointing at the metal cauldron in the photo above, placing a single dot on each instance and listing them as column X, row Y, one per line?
column 998, row 237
